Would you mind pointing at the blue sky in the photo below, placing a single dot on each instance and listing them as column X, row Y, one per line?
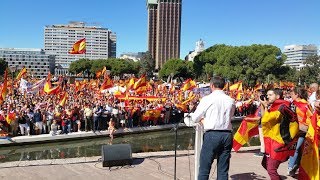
column 233, row 22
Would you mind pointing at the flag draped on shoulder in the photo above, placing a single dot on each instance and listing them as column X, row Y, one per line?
column 280, row 144
column 79, row 47
column 309, row 164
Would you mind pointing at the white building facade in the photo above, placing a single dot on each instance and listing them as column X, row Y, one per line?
column 59, row 39
column 37, row 63
column 199, row 48
column 297, row 54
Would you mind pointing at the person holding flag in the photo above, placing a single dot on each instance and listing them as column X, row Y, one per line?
column 280, row 127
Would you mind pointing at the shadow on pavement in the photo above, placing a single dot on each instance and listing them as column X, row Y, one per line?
column 248, row 176
column 137, row 161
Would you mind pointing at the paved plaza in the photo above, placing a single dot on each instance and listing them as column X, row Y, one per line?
column 152, row 165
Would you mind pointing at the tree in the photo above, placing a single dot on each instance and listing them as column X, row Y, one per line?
column 247, row 63
column 80, row 65
column 310, row 72
column 147, row 64
column 3, row 66
column 176, row 67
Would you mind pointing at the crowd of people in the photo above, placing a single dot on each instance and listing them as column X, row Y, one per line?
column 88, row 109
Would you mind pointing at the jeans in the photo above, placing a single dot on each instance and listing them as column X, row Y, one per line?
column 66, row 129
column 215, row 144
column 294, row 160
column 96, row 125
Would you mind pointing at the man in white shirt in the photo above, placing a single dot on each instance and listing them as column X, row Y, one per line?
column 313, row 97
column 217, row 110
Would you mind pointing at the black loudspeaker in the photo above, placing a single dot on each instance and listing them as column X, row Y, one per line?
column 116, row 155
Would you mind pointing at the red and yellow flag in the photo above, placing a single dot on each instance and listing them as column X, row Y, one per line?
column 79, row 47
column 247, row 129
column 4, row 88
column 188, row 85
column 142, row 81
column 107, row 83
column 63, row 100
column 279, row 146
column 11, row 116
column 47, row 86
column 236, row 86
column 130, row 83
column 309, row 164
column 21, row 73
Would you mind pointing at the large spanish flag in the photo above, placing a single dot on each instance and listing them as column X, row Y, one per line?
column 79, row 47
column 247, row 129
column 21, row 73
column 309, row 164
column 280, row 144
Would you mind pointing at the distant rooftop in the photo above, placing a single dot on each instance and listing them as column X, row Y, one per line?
column 20, row 49
column 76, row 24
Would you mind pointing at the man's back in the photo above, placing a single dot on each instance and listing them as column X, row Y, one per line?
column 217, row 109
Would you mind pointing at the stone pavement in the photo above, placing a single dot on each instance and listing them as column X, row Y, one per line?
column 147, row 166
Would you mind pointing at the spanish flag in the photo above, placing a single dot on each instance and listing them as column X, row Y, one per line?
column 247, row 129
column 236, row 86
column 47, row 86
column 107, row 83
column 79, row 47
column 188, row 85
column 21, row 73
column 280, row 144
column 309, row 164
column 11, row 116
column 130, row 83
column 142, row 81
column 63, row 99
column 4, row 87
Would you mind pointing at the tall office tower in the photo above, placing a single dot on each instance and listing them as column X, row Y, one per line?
column 297, row 54
column 164, row 29
column 59, row 39
column 36, row 61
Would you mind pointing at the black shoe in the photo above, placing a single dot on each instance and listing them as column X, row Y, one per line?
column 259, row 154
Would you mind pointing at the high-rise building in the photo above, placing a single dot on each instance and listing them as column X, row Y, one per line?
column 164, row 29
column 297, row 54
column 37, row 63
column 59, row 39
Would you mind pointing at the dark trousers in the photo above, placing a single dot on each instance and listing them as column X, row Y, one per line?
column 271, row 165
column 96, row 123
column 215, row 144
